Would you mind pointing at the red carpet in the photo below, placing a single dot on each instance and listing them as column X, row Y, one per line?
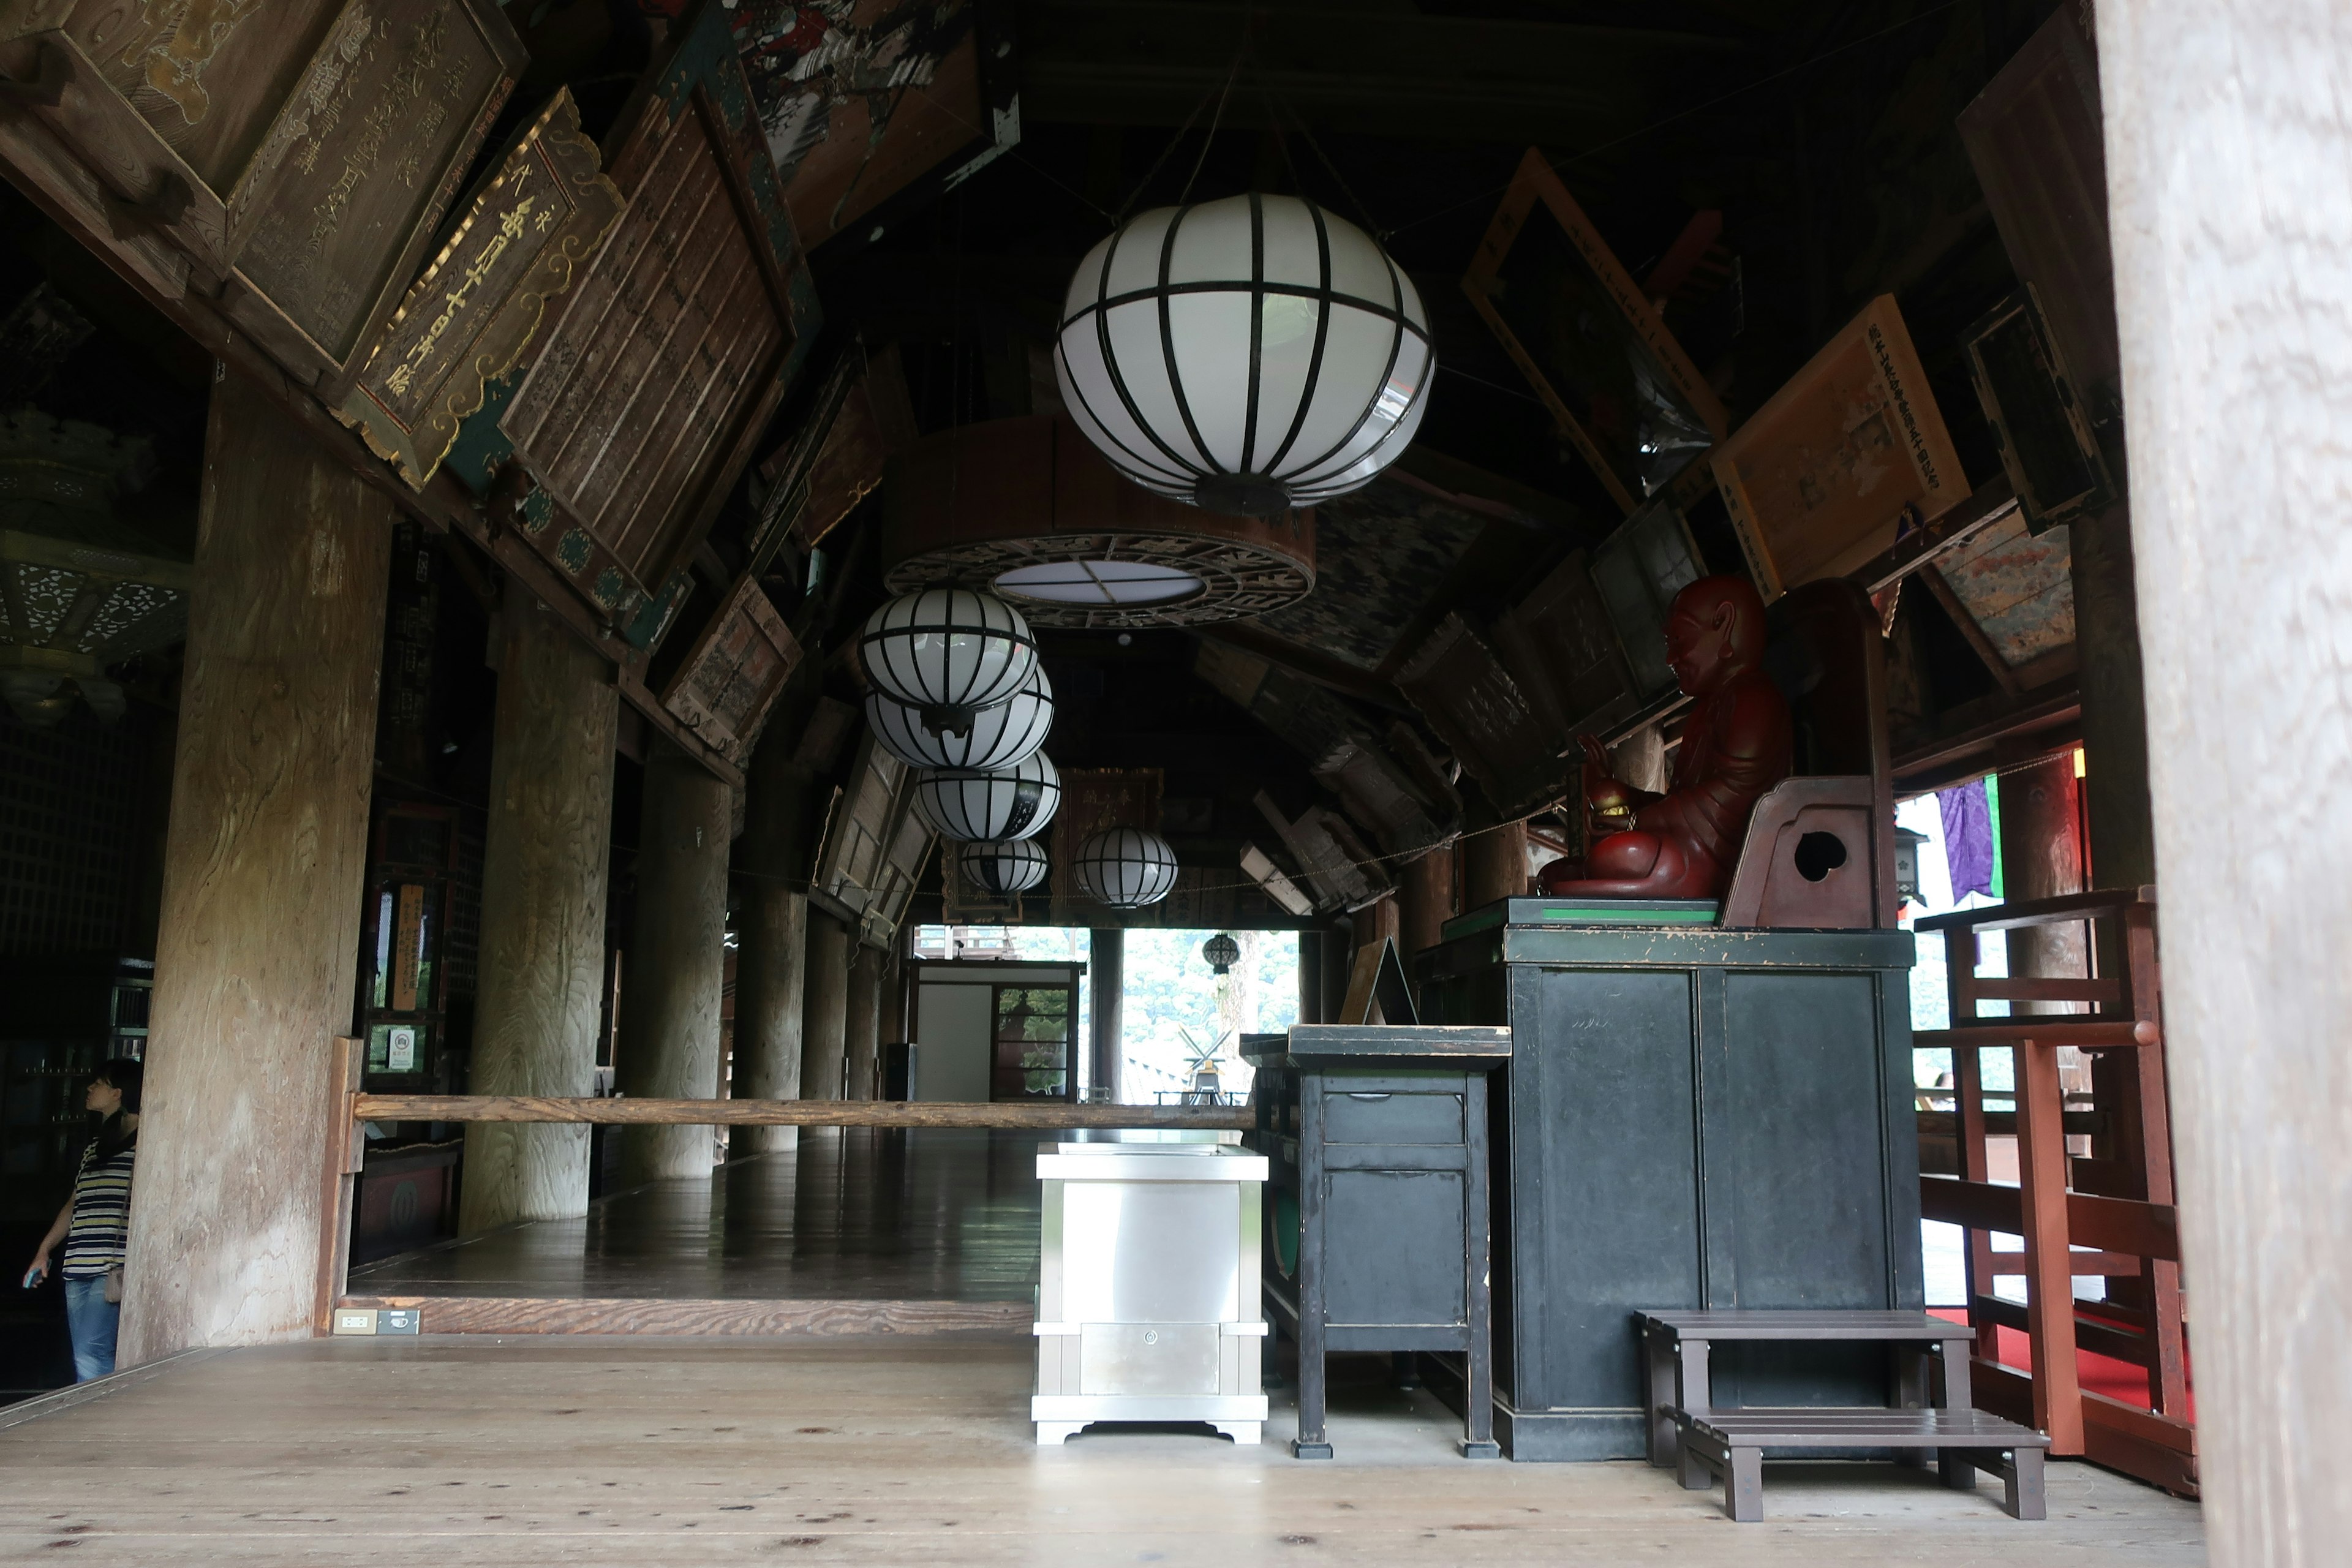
column 2118, row 1380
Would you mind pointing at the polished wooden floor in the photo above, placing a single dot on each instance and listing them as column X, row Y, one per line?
column 589, row 1451
column 918, row 1221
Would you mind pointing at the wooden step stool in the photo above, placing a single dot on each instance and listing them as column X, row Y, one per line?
column 1685, row 1424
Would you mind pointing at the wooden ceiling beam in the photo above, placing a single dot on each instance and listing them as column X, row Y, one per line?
column 1151, row 62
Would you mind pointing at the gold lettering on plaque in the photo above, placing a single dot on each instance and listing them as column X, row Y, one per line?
column 192, row 33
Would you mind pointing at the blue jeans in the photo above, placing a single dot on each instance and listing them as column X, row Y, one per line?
column 92, row 1319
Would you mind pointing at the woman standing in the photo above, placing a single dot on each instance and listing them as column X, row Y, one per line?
column 95, row 1224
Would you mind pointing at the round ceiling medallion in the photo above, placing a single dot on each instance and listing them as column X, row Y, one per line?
column 1028, row 507
column 1099, row 584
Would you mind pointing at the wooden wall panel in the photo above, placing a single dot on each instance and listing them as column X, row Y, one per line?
column 734, row 673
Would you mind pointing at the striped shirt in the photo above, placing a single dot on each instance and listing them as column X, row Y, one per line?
column 101, row 1213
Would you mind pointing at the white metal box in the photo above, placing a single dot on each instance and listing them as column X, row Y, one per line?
column 1147, row 1306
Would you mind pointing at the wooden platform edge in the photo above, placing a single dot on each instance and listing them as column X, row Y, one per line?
column 739, row 1317
column 98, row 1388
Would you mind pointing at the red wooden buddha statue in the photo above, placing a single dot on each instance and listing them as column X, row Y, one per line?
column 1684, row 844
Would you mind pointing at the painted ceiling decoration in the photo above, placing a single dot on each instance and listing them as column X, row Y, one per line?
column 862, row 101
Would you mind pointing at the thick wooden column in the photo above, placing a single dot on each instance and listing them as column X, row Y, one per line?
column 544, row 864
column 264, row 867
column 2041, row 857
column 824, row 1026
column 1495, row 864
column 1424, row 901
column 1106, row 977
column 2230, row 193
column 1311, row 977
column 862, row 1020
column 780, row 798
column 670, row 990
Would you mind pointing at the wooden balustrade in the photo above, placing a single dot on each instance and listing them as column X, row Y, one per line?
column 1043, row 1118
column 2128, row 1218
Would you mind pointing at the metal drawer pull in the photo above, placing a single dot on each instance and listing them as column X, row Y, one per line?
column 1365, row 1094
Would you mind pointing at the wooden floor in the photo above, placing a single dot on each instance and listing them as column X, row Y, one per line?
column 857, row 1212
column 591, row 1451
column 862, row 1229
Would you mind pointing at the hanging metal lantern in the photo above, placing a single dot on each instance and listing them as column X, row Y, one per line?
column 1246, row 355
column 975, row 805
column 1223, row 952
column 1005, row 866
column 1125, row 868
column 998, row 737
column 947, row 652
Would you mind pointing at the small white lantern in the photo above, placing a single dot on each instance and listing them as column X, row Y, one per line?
column 1005, row 866
column 1125, row 868
column 997, row 737
column 1246, row 355
column 949, row 652
column 975, row 805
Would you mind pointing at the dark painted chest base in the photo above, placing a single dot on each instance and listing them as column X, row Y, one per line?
column 1691, row 1117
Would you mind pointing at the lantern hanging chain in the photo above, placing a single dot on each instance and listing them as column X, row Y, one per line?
column 1276, row 108
column 1223, row 93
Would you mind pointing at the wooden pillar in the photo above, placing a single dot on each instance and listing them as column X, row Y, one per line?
column 1339, row 962
column 1495, row 864
column 264, row 870
column 1376, row 920
column 2230, row 188
column 2041, row 857
column 544, row 864
column 825, row 1017
column 781, row 795
column 862, row 1019
column 1106, row 968
column 1311, row 977
column 677, row 962
column 1424, row 901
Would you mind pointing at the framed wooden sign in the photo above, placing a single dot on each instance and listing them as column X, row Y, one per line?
column 1473, row 703
column 871, row 106
column 1559, row 645
column 1819, row 479
column 1092, row 800
column 859, row 835
column 1637, row 572
column 334, row 215
column 292, row 157
column 2047, row 446
column 467, row 321
column 667, row 357
column 733, row 674
column 1596, row 350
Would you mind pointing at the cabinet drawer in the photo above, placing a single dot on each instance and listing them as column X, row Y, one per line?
column 1369, row 1118
column 1147, row 1357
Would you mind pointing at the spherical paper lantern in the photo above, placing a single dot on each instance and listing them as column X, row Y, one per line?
column 975, row 805
column 997, row 737
column 947, row 652
column 1246, row 355
column 1223, row 952
column 1006, row 866
column 1125, row 868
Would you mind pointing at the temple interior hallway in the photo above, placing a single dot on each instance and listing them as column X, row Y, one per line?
column 857, row 1214
column 589, row 1451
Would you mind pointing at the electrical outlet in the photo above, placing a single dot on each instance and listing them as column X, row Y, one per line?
column 356, row 1320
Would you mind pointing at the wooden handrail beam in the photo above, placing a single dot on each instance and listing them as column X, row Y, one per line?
column 2066, row 908
column 795, row 1112
column 2089, row 1034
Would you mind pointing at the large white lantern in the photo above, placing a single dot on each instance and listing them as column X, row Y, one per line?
column 997, row 737
column 1007, row 867
column 947, row 652
column 1125, row 868
column 1246, row 355
column 976, row 804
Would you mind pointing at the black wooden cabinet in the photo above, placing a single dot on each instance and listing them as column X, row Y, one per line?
column 1377, row 1229
column 1691, row 1117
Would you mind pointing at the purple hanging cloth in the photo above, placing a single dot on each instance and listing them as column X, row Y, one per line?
column 1968, row 838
